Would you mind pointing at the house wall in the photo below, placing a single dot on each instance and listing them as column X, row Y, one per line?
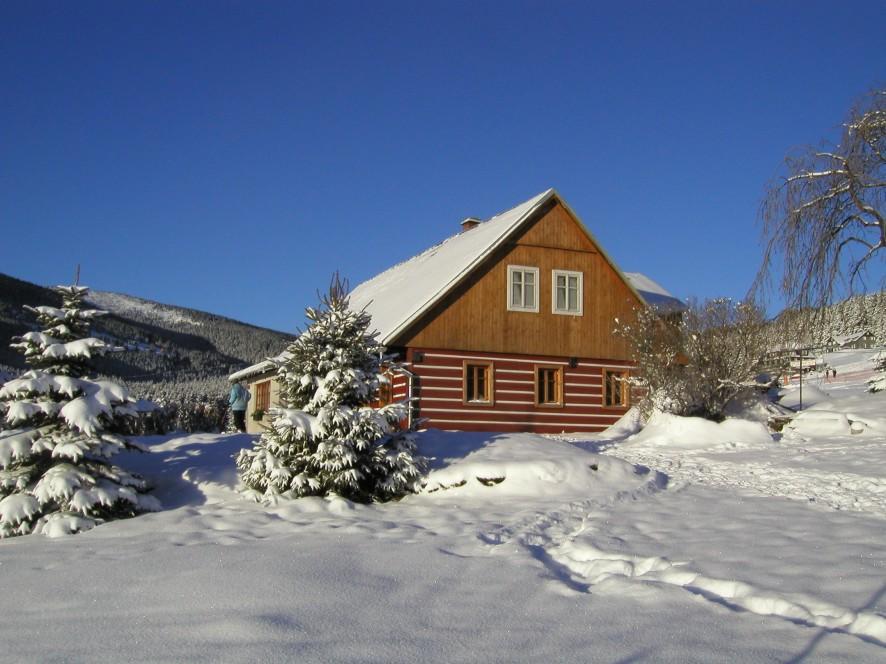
column 475, row 315
column 399, row 392
column 440, row 385
column 253, row 426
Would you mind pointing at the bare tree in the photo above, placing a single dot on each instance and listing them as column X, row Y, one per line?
column 824, row 220
column 699, row 364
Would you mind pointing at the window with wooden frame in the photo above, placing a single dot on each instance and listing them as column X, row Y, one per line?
column 567, row 293
column 616, row 390
column 263, row 396
column 478, row 382
column 522, row 288
column 548, row 385
column 385, row 389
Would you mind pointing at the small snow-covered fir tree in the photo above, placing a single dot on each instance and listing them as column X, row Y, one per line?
column 878, row 383
column 328, row 439
column 55, row 477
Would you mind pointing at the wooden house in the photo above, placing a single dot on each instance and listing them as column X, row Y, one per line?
column 506, row 326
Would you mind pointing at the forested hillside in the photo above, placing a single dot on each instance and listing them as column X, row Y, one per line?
column 862, row 313
column 173, row 351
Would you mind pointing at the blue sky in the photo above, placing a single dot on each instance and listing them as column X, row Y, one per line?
column 229, row 156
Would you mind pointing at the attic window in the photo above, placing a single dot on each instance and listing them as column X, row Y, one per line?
column 522, row 288
column 567, row 295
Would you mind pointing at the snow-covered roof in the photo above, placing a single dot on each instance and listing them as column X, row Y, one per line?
column 399, row 296
column 653, row 294
column 843, row 339
column 250, row 371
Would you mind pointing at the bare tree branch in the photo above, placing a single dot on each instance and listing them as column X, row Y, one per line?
column 826, row 203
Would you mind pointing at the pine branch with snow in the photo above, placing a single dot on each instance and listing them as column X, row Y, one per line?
column 55, row 474
column 329, row 440
column 878, row 383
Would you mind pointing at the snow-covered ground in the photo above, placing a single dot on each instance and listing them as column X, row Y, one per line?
column 689, row 542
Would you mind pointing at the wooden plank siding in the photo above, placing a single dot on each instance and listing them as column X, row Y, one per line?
column 475, row 314
column 440, row 384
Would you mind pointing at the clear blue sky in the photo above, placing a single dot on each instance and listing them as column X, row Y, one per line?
column 229, row 156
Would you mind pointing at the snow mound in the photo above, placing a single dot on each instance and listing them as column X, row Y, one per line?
column 812, row 396
column 696, row 432
column 818, row 423
column 482, row 465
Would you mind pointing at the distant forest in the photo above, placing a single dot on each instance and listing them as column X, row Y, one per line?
column 862, row 313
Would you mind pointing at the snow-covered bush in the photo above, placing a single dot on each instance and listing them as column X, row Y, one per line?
column 700, row 363
column 55, row 477
column 328, row 439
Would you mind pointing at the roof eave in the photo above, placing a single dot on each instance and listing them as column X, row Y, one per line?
column 394, row 334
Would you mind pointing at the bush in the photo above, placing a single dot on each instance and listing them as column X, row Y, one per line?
column 698, row 364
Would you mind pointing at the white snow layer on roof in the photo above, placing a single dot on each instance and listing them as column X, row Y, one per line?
column 250, row 371
column 654, row 295
column 398, row 295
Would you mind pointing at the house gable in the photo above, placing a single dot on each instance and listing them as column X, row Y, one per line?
column 475, row 316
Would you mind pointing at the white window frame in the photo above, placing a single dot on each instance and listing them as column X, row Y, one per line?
column 580, row 294
column 512, row 269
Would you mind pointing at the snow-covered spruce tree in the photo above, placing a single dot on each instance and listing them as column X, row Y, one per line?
column 878, row 383
column 55, row 477
column 328, row 440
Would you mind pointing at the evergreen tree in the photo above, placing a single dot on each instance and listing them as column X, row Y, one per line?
column 328, row 439
column 878, row 383
column 55, row 477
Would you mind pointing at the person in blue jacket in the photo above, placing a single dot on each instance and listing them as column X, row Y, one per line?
column 237, row 400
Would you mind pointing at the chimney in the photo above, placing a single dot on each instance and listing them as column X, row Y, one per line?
column 469, row 223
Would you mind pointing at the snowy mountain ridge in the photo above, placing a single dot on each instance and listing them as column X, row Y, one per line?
column 165, row 342
column 136, row 307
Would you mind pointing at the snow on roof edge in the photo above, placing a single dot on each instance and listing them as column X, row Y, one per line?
column 404, row 319
column 654, row 294
column 539, row 200
column 250, row 371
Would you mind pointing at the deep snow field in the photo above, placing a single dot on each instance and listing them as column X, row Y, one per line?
column 686, row 542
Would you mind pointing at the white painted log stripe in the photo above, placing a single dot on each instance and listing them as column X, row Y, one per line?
column 546, row 413
column 563, row 426
column 532, row 360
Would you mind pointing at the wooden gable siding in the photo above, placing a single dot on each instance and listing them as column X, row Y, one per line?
column 475, row 315
column 439, row 386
